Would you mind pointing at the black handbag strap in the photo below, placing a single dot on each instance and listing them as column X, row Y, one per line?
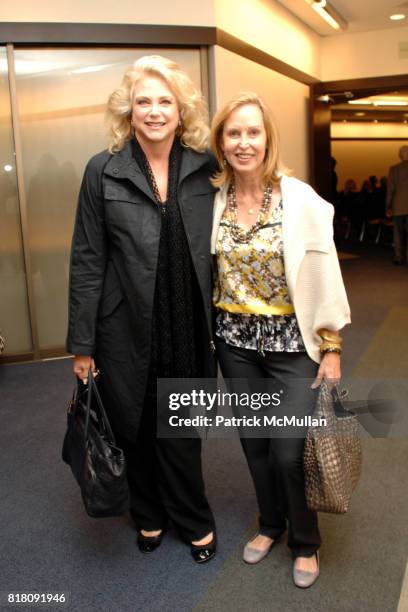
column 101, row 414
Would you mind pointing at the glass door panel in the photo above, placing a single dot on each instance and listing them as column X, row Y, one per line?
column 14, row 314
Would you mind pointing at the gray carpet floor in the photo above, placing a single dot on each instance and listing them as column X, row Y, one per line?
column 48, row 544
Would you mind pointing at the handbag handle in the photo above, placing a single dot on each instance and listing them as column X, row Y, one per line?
column 102, row 418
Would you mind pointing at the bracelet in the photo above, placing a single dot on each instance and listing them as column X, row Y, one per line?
column 331, row 349
column 328, row 336
column 330, row 345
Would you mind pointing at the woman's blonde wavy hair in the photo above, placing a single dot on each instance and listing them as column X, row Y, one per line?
column 194, row 130
column 273, row 167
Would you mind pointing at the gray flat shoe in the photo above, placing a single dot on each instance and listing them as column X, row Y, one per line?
column 254, row 555
column 304, row 579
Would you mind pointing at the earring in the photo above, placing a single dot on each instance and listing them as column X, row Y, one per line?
column 224, row 161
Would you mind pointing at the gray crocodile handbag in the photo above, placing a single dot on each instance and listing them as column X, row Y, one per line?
column 332, row 455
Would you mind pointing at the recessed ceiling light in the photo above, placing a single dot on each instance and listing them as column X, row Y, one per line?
column 359, row 114
column 375, row 120
column 8, row 168
column 361, row 101
column 390, row 102
column 324, row 98
column 397, row 17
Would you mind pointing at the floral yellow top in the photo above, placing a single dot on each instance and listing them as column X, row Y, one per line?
column 251, row 294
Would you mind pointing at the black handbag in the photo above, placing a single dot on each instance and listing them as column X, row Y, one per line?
column 89, row 448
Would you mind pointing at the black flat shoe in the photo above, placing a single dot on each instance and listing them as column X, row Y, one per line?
column 202, row 553
column 148, row 544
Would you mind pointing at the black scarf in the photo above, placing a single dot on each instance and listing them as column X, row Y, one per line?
column 173, row 329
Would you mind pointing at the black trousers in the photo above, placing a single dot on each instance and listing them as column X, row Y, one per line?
column 166, row 482
column 276, row 464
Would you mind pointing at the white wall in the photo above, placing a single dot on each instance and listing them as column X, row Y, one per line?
column 363, row 54
column 287, row 98
column 181, row 12
column 267, row 25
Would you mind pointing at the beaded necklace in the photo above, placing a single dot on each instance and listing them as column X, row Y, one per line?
column 174, row 163
column 238, row 233
column 153, row 183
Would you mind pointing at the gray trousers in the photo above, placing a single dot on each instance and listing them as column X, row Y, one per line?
column 401, row 238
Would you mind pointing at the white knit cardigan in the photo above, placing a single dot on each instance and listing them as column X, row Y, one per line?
column 313, row 275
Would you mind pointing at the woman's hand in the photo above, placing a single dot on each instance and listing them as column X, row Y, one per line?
column 82, row 363
column 329, row 370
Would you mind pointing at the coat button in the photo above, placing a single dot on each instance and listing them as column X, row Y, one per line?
column 115, row 171
column 202, row 256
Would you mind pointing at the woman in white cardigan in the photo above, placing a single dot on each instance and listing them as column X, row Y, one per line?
column 280, row 303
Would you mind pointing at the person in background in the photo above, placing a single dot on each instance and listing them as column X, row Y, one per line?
column 280, row 302
column 375, row 205
column 347, row 210
column 397, row 206
column 348, row 199
column 333, row 180
column 365, row 200
column 140, row 288
column 383, row 195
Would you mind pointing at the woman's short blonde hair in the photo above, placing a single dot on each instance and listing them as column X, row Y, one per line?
column 272, row 166
column 194, row 130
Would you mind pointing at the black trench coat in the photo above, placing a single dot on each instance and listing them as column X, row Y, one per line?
column 113, row 272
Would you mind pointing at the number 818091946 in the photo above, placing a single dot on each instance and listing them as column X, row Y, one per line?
column 36, row 598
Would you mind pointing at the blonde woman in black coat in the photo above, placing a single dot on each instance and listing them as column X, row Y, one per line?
column 140, row 286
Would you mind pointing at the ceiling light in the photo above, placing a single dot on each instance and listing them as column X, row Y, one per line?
column 324, row 98
column 362, row 101
column 375, row 120
column 390, row 103
column 8, row 168
column 325, row 15
column 359, row 114
column 397, row 17
column 328, row 13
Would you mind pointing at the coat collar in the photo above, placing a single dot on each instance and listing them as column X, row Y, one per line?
column 122, row 165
